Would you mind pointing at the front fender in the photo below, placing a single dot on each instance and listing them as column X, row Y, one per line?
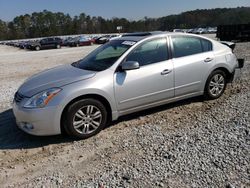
column 102, row 88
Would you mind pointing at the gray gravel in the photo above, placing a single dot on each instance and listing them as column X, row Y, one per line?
column 192, row 143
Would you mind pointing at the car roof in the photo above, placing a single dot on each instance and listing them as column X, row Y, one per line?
column 143, row 35
column 139, row 35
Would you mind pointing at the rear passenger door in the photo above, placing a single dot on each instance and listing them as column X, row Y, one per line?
column 192, row 57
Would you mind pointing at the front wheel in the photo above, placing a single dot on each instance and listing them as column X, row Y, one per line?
column 85, row 118
column 37, row 48
column 215, row 85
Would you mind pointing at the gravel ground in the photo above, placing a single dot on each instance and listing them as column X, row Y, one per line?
column 192, row 143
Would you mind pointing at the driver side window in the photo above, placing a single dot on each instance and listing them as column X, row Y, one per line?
column 150, row 52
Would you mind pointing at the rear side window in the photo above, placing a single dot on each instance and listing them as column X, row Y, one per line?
column 185, row 46
column 206, row 45
column 150, row 52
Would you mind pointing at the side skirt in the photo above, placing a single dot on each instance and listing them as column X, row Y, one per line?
column 159, row 103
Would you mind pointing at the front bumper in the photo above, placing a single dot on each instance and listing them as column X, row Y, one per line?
column 39, row 122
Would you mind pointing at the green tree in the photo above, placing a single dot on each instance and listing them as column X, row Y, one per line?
column 46, row 23
column 3, row 30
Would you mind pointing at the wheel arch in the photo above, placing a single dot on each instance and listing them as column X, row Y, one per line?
column 98, row 97
column 229, row 75
column 38, row 45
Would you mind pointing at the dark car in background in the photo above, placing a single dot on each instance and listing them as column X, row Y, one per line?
column 46, row 43
column 66, row 41
column 104, row 39
column 24, row 44
column 80, row 41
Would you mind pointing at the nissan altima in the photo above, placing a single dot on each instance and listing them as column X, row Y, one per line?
column 128, row 74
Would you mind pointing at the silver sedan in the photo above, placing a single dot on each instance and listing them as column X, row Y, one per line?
column 128, row 74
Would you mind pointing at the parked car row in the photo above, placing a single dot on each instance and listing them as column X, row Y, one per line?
column 207, row 30
column 57, row 42
column 45, row 43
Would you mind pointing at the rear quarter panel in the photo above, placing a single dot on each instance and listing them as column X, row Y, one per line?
column 224, row 58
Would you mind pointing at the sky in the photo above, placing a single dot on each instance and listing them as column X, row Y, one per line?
column 130, row 9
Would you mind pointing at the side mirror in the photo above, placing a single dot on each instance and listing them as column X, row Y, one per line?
column 130, row 65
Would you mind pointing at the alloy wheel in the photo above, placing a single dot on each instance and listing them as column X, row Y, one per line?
column 87, row 119
column 216, row 85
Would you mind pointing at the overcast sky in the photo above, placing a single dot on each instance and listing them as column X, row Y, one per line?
column 130, row 9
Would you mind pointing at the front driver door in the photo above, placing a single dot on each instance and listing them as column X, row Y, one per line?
column 152, row 82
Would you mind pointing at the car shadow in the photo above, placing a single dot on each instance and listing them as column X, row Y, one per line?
column 157, row 109
column 11, row 137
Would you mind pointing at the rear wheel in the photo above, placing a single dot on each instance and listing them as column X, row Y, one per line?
column 58, row 46
column 215, row 85
column 85, row 118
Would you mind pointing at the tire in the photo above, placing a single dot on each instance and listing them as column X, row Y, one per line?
column 77, row 45
column 215, row 85
column 84, row 118
column 58, row 46
column 37, row 48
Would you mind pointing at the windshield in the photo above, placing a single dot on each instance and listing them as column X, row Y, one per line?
column 104, row 56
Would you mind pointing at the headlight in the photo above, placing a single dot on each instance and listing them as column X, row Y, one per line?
column 40, row 100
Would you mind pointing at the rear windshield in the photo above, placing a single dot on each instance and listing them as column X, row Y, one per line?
column 104, row 56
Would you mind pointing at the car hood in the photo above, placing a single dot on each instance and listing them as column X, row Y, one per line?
column 56, row 77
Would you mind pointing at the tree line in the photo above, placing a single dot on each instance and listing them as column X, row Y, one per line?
column 46, row 23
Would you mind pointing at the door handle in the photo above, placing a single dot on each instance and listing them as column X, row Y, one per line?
column 208, row 59
column 166, row 71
